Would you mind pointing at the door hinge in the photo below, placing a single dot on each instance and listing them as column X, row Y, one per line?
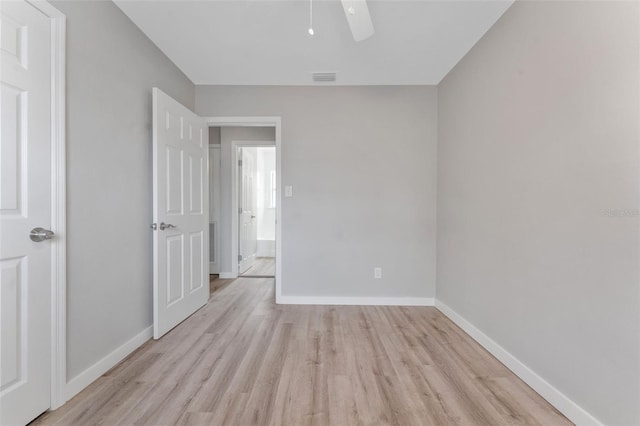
column 240, row 163
column 239, row 210
column 154, row 226
column 239, row 258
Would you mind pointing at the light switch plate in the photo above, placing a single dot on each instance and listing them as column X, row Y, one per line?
column 377, row 273
column 288, row 191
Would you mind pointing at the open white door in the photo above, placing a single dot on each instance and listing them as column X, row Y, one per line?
column 25, row 208
column 180, row 213
column 247, row 203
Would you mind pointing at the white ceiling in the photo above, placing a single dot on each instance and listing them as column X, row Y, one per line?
column 262, row 42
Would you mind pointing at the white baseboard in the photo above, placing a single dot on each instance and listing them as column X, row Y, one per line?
column 363, row 301
column 566, row 406
column 228, row 275
column 88, row 376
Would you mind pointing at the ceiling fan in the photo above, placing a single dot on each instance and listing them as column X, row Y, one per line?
column 358, row 18
column 357, row 13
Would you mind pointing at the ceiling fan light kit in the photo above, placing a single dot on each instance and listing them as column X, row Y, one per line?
column 358, row 18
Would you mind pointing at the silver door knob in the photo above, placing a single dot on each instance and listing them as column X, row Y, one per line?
column 40, row 234
column 164, row 226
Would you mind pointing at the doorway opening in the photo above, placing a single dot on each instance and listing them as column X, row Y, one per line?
column 245, row 214
column 256, row 195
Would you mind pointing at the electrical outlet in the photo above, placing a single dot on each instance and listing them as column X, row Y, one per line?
column 377, row 273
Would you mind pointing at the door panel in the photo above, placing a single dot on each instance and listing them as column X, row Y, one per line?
column 25, row 203
column 174, row 186
column 13, row 313
column 252, row 203
column 247, row 201
column 196, row 183
column 180, row 192
column 175, row 275
column 196, row 240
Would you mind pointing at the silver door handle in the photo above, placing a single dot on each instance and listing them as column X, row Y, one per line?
column 40, row 234
column 164, row 226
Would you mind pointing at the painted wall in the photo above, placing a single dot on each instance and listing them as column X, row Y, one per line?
column 227, row 217
column 111, row 68
column 214, row 135
column 362, row 163
column 538, row 196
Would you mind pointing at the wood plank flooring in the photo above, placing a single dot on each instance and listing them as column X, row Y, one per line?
column 216, row 283
column 262, row 267
column 242, row 360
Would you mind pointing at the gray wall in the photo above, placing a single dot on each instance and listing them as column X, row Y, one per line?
column 227, row 136
column 362, row 163
column 111, row 68
column 537, row 144
column 214, row 135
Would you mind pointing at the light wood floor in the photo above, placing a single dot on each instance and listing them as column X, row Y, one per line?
column 242, row 360
column 262, row 267
column 217, row 284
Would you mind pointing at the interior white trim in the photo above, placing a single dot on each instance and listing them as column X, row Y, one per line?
column 92, row 373
column 214, row 186
column 58, row 203
column 564, row 404
column 228, row 275
column 244, row 122
column 259, row 122
column 357, row 301
column 279, row 209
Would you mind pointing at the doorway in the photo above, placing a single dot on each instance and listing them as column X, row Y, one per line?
column 255, row 143
column 256, row 211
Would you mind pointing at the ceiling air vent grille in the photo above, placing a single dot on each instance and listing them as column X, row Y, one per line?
column 324, row 77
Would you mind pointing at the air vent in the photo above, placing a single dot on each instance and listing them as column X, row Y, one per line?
column 324, row 77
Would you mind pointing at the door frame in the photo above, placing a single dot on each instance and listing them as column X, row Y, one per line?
column 58, row 203
column 275, row 122
column 214, row 185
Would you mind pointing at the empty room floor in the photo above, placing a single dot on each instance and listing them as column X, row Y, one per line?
column 243, row 360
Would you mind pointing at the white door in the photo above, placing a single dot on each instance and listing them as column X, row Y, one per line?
column 247, row 200
column 180, row 213
column 25, row 204
column 214, row 209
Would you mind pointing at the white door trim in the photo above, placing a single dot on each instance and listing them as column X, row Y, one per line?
column 214, row 186
column 256, row 122
column 58, row 203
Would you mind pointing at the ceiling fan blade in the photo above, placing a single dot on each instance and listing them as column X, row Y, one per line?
column 357, row 14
